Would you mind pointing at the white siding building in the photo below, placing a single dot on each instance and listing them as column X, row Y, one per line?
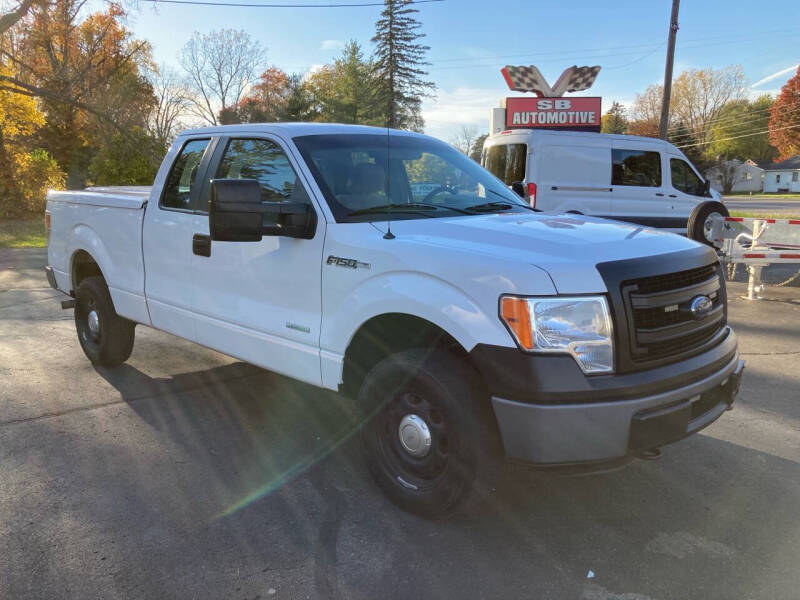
column 747, row 176
column 783, row 176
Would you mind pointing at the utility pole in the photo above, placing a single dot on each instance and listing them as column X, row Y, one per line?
column 673, row 31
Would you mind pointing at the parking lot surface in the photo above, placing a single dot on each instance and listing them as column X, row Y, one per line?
column 187, row 474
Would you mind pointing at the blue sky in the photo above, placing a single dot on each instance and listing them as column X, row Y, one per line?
column 471, row 40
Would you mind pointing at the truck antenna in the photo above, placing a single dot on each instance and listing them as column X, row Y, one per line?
column 388, row 235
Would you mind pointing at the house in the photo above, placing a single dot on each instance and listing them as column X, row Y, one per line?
column 783, row 176
column 741, row 177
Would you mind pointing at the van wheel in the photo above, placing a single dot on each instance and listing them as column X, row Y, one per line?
column 699, row 226
column 430, row 445
column 106, row 338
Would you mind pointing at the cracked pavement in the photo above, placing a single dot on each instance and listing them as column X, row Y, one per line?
column 188, row 474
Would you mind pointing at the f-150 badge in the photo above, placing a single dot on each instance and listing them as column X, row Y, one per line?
column 348, row 263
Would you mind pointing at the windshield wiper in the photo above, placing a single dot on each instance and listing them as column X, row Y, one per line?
column 404, row 207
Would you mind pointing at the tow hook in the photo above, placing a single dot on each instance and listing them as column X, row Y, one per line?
column 650, row 454
column 65, row 304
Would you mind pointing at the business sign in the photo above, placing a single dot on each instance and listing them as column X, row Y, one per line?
column 546, row 113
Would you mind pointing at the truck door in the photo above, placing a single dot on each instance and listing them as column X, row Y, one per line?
column 686, row 190
column 261, row 301
column 639, row 185
column 167, row 238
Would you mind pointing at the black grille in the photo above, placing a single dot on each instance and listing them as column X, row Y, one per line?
column 671, row 281
column 661, row 324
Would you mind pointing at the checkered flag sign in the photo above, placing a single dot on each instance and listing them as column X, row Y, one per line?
column 530, row 79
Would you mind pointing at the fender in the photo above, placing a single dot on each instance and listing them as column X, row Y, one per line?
column 122, row 269
column 412, row 293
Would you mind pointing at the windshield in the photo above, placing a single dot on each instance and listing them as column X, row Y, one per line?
column 367, row 177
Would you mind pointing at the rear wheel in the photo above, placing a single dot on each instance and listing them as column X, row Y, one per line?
column 700, row 221
column 106, row 338
column 430, row 443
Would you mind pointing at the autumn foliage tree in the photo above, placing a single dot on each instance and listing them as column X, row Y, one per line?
column 784, row 121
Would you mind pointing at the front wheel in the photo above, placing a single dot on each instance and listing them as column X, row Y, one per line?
column 431, row 440
column 701, row 220
column 106, row 338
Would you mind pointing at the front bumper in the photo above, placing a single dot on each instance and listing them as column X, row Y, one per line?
column 563, row 432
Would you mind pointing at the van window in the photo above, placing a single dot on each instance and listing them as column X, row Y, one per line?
column 635, row 167
column 684, row 179
column 507, row 162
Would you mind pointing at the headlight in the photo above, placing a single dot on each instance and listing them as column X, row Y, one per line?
column 579, row 326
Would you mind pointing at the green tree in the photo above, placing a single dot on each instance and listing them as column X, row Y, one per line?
column 299, row 102
column 732, row 131
column 126, row 159
column 615, row 120
column 343, row 90
column 399, row 58
column 477, row 148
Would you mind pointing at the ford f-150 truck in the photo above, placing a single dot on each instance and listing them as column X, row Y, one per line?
column 389, row 267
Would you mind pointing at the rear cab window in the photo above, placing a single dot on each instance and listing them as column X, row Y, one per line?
column 640, row 168
column 506, row 162
column 181, row 184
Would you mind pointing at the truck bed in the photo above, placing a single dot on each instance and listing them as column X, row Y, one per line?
column 106, row 222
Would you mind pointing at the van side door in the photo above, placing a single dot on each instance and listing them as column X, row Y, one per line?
column 639, row 185
column 261, row 301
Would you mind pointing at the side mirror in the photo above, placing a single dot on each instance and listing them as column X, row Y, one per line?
column 519, row 189
column 237, row 214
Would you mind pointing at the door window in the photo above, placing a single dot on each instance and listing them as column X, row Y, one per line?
column 264, row 161
column 684, row 179
column 507, row 162
column 635, row 167
column 183, row 176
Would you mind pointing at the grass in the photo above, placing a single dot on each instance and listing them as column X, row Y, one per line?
column 22, row 233
column 762, row 215
column 762, row 196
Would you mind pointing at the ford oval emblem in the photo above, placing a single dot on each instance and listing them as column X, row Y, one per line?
column 701, row 306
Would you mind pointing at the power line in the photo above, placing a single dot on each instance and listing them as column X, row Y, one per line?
column 736, row 137
column 684, row 136
column 246, row 5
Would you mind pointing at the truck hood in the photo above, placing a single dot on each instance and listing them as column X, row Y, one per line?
column 566, row 246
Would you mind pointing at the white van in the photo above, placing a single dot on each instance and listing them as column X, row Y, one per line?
column 624, row 177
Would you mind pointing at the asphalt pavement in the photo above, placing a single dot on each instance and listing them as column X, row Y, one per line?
column 187, row 474
column 765, row 204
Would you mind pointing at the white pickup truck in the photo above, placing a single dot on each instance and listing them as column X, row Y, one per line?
column 387, row 266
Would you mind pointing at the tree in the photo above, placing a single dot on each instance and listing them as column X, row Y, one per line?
column 465, row 138
column 126, row 160
column 646, row 113
column 399, row 57
column 615, row 120
column 27, row 174
column 732, row 132
column 299, row 103
column 698, row 96
column 220, row 66
column 86, row 73
column 13, row 16
column 172, row 100
column 343, row 90
column 784, row 120
column 725, row 172
column 477, row 148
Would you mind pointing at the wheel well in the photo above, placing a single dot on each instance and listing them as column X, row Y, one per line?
column 388, row 334
column 83, row 266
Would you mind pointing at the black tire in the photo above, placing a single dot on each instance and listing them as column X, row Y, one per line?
column 695, row 228
column 447, row 394
column 110, row 342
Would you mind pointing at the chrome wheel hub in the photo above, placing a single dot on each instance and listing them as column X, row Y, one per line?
column 708, row 224
column 93, row 322
column 415, row 436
